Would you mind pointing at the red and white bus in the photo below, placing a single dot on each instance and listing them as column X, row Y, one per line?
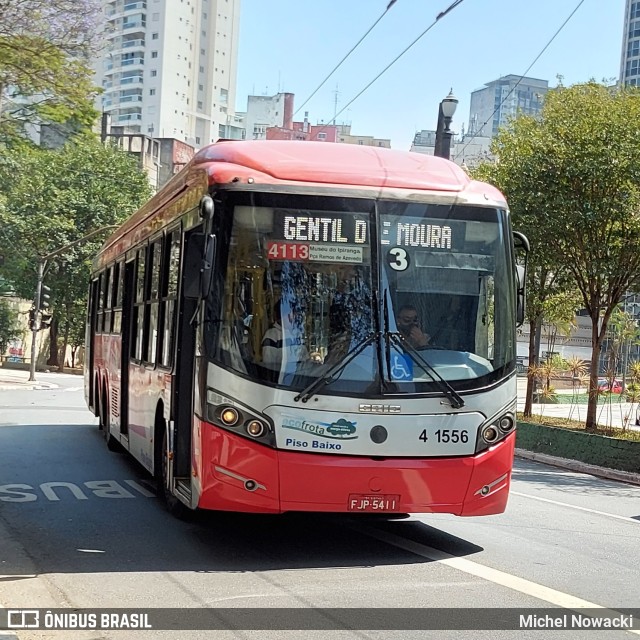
column 301, row 326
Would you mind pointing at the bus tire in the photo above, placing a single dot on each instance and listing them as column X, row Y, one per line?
column 96, row 402
column 161, row 470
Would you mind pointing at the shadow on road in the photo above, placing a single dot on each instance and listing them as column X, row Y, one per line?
column 570, row 481
column 75, row 528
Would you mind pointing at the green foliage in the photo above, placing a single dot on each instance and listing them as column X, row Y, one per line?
column 45, row 77
column 9, row 328
column 53, row 198
column 572, row 179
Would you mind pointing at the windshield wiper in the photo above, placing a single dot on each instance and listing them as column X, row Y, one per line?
column 456, row 400
column 387, row 333
column 335, row 371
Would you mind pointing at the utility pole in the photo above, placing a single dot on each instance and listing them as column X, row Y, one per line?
column 38, row 298
column 336, row 93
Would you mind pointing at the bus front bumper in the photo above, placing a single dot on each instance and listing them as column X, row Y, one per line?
column 235, row 474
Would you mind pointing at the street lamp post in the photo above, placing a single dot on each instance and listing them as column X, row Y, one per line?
column 443, row 131
column 38, row 298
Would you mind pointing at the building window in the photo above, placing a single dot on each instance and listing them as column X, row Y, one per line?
column 197, row 140
column 152, row 92
column 154, row 54
column 154, row 36
column 154, row 73
column 322, row 136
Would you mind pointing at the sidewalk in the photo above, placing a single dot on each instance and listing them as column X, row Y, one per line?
column 13, row 379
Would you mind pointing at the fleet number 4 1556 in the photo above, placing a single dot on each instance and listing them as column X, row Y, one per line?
column 447, row 435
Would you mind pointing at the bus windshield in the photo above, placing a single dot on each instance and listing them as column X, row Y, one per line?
column 405, row 295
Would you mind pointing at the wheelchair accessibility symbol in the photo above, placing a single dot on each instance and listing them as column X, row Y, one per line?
column 401, row 367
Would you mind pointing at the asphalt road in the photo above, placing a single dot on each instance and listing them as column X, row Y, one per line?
column 81, row 527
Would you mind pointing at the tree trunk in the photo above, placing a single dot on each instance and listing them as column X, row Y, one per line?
column 53, row 344
column 592, row 406
column 65, row 342
column 535, row 334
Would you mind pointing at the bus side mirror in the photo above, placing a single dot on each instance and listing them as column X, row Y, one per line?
column 521, row 248
column 198, row 265
column 521, row 276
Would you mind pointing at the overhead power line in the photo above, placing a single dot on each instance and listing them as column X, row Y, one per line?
column 546, row 46
column 355, row 46
column 441, row 15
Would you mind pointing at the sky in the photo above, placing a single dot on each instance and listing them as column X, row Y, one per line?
column 292, row 45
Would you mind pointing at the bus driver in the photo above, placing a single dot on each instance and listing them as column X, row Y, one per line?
column 409, row 326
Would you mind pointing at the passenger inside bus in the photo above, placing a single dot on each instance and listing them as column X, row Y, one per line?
column 408, row 323
column 350, row 319
column 278, row 350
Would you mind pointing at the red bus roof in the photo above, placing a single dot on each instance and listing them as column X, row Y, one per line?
column 277, row 161
column 299, row 164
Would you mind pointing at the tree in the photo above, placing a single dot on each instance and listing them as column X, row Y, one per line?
column 53, row 198
column 547, row 279
column 9, row 329
column 576, row 170
column 45, row 77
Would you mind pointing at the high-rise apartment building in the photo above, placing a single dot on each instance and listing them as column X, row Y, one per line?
column 630, row 59
column 498, row 101
column 170, row 67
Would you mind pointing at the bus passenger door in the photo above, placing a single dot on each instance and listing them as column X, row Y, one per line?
column 184, row 377
column 125, row 353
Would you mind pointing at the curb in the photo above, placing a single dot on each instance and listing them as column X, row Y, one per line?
column 581, row 467
column 38, row 386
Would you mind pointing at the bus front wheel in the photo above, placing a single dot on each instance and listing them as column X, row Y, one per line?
column 161, row 472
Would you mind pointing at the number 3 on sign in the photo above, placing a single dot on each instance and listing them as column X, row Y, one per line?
column 287, row 251
column 398, row 259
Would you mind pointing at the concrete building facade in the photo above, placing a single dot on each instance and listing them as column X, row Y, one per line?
column 630, row 58
column 169, row 70
column 345, row 136
column 264, row 112
column 466, row 151
column 497, row 102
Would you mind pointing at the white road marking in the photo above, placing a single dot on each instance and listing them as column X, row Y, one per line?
column 140, row 489
column 98, row 488
column 573, row 506
column 515, row 583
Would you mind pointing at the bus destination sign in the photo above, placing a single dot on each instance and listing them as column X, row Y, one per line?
column 329, row 237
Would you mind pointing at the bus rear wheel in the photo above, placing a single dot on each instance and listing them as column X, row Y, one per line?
column 161, row 472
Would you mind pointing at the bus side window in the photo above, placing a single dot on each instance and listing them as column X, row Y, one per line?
column 137, row 344
column 108, row 299
column 99, row 303
column 153, row 306
column 118, row 289
column 169, row 293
